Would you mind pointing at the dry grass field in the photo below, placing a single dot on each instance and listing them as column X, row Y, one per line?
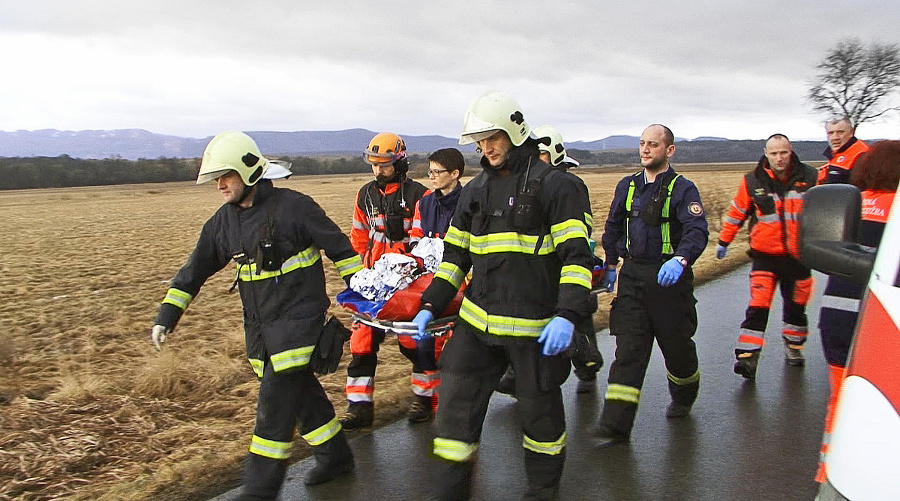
column 88, row 410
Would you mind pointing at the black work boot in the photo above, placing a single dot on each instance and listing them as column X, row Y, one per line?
column 746, row 364
column 451, row 481
column 358, row 416
column 607, row 437
column 544, row 472
column 793, row 355
column 262, row 477
column 333, row 459
column 676, row 410
column 420, row 410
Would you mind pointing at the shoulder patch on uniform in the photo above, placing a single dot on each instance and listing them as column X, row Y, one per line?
column 695, row 208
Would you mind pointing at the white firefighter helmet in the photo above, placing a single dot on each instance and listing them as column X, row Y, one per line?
column 550, row 141
column 235, row 151
column 490, row 112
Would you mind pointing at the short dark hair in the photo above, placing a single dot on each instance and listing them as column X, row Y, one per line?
column 878, row 168
column 668, row 137
column 450, row 159
column 777, row 136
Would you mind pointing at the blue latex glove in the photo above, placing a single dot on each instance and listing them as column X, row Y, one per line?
column 721, row 250
column 556, row 336
column 669, row 273
column 421, row 320
column 609, row 280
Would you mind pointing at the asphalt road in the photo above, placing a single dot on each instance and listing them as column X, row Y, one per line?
column 744, row 440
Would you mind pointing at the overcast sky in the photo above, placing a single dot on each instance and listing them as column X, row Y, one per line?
column 733, row 69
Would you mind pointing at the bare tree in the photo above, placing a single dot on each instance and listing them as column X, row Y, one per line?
column 855, row 79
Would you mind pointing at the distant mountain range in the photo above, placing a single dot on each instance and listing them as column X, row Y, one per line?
column 133, row 144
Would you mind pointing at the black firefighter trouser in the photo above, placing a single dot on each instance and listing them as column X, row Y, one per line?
column 644, row 311
column 471, row 365
column 287, row 400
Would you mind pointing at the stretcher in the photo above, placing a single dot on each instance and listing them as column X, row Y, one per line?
column 439, row 327
column 396, row 314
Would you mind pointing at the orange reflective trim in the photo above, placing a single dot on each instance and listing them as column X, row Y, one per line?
column 429, row 385
column 748, row 339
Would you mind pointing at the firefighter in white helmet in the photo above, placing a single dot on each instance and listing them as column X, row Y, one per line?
column 519, row 228
column 273, row 235
column 586, row 357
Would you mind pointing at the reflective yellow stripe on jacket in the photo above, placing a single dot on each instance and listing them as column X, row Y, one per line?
column 457, row 237
column 178, row 298
column 576, row 275
column 509, row 241
column 258, row 366
column 289, row 359
column 303, row 259
column 349, row 266
column 568, row 230
column 500, row 325
column 451, row 273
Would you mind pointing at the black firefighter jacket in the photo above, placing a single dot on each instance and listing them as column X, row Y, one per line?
column 522, row 273
column 283, row 308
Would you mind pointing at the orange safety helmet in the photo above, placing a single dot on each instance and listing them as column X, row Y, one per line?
column 388, row 147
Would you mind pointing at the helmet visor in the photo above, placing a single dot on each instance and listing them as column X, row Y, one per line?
column 478, row 136
column 206, row 177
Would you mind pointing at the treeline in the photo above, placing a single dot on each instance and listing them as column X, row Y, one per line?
column 702, row 152
column 64, row 171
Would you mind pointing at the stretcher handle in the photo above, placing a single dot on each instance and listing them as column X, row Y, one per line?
column 437, row 327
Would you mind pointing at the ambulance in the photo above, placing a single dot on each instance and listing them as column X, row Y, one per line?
column 864, row 452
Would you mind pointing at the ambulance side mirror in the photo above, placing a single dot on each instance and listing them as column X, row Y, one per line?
column 829, row 226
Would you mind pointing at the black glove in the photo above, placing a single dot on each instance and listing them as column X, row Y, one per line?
column 330, row 348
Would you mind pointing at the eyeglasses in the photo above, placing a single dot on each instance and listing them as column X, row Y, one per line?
column 436, row 172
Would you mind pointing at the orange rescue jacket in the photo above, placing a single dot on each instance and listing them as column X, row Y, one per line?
column 772, row 206
column 382, row 218
column 837, row 168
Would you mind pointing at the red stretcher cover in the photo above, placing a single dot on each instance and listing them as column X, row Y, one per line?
column 402, row 305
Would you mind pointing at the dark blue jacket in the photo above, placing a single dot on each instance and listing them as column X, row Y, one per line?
column 688, row 227
column 433, row 214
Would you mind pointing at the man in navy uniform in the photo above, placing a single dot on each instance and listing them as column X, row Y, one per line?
column 657, row 224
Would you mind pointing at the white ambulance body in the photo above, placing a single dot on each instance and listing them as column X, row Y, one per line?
column 863, row 462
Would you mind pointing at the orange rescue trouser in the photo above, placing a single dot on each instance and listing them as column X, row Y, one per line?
column 365, row 342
